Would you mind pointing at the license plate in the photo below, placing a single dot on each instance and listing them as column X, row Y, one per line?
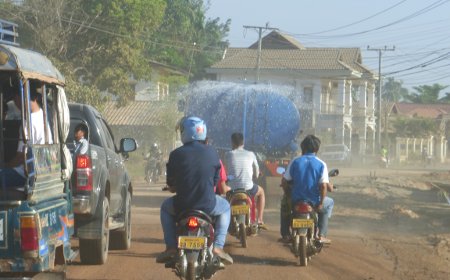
column 302, row 223
column 191, row 243
column 240, row 209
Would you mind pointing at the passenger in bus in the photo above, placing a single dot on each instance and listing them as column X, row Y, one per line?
column 13, row 176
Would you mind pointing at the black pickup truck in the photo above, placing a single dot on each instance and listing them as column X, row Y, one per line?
column 101, row 187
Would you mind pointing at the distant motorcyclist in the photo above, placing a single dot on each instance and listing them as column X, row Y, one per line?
column 154, row 155
column 308, row 176
column 192, row 172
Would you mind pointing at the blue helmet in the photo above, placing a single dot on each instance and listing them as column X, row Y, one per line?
column 191, row 129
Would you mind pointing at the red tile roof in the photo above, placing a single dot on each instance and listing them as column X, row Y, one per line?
column 433, row 111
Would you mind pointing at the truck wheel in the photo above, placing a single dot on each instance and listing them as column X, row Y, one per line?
column 121, row 239
column 95, row 251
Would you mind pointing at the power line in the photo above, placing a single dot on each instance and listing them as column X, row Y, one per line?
column 380, row 52
column 359, row 21
column 258, row 59
column 406, row 18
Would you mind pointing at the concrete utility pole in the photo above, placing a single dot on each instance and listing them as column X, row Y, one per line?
column 379, row 50
column 258, row 59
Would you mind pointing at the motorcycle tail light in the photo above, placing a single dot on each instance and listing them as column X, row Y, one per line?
column 192, row 223
column 303, row 208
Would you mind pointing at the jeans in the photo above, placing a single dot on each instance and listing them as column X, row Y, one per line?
column 221, row 211
column 324, row 215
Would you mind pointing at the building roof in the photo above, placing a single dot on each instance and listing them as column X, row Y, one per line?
column 136, row 113
column 277, row 40
column 432, row 111
column 291, row 55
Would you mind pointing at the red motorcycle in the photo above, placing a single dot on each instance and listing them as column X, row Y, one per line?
column 243, row 219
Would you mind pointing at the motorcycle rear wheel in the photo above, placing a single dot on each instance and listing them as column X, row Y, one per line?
column 303, row 252
column 149, row 176
column 190, row 271
column 243, row 235
column 295, row 244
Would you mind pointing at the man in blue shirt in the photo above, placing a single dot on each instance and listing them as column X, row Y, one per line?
column 309, row 177
column 192, row 172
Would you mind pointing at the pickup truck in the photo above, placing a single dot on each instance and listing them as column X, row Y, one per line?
column 101, row 187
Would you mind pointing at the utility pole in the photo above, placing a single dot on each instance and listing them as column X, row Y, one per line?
column 380, row 51
column 258, row 59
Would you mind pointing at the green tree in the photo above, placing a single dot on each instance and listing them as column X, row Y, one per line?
column 188, row 40
column 102, row 41
column 393, row 91
column 415, row 127
column 426, row 94
column 107, row 45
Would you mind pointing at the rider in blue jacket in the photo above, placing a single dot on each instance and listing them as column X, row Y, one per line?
column 192, row 172
column 308, row 176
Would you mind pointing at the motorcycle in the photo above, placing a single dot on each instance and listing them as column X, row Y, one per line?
column 242, row 222
column 151, row 170
column 195, row 258
column 304, row 229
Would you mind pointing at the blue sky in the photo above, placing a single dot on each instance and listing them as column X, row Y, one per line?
column 419, row 30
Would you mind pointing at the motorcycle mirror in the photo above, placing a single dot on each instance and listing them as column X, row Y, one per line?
column 281, row 170
column 333, row 172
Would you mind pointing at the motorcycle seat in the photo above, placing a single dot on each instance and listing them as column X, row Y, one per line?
column 197, row 213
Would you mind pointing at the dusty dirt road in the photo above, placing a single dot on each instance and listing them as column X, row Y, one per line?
column 387, row 224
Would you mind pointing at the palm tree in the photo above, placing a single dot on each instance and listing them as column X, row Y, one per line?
column 426, row 94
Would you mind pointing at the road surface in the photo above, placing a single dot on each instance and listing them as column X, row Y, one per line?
column 387, row 224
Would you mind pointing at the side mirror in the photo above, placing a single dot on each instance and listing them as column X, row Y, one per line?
column 127, row 145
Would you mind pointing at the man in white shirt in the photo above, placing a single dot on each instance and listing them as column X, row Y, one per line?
column 14, row 174
column 242, row 167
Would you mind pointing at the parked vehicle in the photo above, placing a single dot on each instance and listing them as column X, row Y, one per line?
column 242, row 222
column 102, row 187
column 304, row 226
column 338, row 154
column 195, row 259
column 36, row 218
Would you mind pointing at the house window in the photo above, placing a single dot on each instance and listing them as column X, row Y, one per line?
column 355, row 93
column 308, row 95
column 163, row 90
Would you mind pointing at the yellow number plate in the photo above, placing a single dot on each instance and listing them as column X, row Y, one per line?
column 302, row 223
column 191, row 243
column 240, row 209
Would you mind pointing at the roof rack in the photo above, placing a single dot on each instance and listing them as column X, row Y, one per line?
column 8, row 33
